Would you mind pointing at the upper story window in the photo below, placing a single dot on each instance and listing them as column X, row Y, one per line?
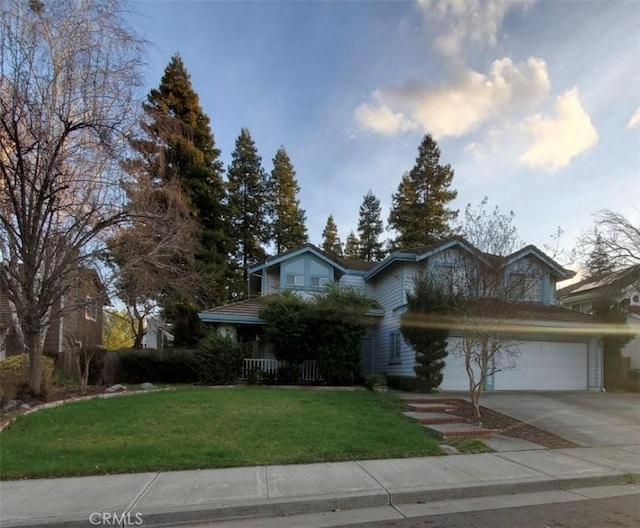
column 91, row 309
column 295, row 280
column 524, row 288
column 584, row 307
column 319, row 282
column 451, row 277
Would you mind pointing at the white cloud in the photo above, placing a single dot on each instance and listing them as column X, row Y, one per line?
column 635, row 119
column 463, row 104
column 461, row 22
column 557, row 140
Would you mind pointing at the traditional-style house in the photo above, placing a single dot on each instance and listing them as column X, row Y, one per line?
column 558, row 348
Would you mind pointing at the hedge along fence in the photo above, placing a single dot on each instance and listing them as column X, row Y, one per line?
column 129, row 365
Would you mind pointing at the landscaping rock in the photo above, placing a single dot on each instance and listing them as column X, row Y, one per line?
column 25, row 406
column 116, row 388
column 147, row 386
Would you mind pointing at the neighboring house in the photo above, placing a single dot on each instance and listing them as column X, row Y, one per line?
column 558, row 349
column 80, row 327
column 157, row 334
column 621, row 286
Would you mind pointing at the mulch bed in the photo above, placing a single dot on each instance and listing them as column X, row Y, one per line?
column 508, row 426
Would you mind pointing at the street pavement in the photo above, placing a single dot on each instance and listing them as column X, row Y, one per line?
column 152, row 499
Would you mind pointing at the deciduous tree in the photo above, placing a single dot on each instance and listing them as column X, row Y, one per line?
column 69, row 75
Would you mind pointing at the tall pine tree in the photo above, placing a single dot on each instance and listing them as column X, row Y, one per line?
column 370, row 228
column 247, row 208
column 599, row 262
column 352, row 246
column 287, row 219
column 330, row 241
column 177, row 145
column 419, row 212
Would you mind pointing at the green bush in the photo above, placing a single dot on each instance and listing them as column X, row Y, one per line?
column 173, row 365
column 288, row 374
column 372, row 380
column 14, row 376
column 219, row 359
column 407, row 383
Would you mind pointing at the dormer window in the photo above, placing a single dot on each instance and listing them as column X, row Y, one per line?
column 524, row 288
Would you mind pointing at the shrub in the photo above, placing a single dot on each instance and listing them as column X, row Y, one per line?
column 372, row 380
column 407, row 383
column 138, row 366
column 219, row 359
column 169, row 366
column 288, row 374
column 287, row 327
column 14, row 376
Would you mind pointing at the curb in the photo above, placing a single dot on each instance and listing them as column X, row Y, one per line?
column 244, row 509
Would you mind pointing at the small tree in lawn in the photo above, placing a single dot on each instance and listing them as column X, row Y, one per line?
column 484, row 304
column 425, row 329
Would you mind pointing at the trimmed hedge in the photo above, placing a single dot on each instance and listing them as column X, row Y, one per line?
column 407, row 383
column 172, row 366
column 14, row 376
column 219, row 359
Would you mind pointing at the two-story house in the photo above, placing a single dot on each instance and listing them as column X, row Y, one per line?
column 620, row 286
column 80, row 325
column 559, row 349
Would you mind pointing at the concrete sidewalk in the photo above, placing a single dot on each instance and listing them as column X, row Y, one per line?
column 152, row 499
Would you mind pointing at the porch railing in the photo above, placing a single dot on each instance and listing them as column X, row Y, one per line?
column 308, row 370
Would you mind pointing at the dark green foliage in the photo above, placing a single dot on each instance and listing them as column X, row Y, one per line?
column 170, row 366
column 422, row 328
column 407, row 383
column 288, row 374
column 287, row 219
column 287, row 329
column 247, row 207
column 370, row 228
column 599, row 262
column 330, row 241
column 373, row 380
column 219, row 359
column 419, row 211
column 352, row 246
column 612, row 313
column 186, row 326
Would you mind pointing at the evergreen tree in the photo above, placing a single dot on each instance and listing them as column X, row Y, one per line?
column 370, row 228
column 427, row 304
column 330, row 241
column 247, row 207
column 177, row 145
column 352, row 246
column 288, row 229
column 419, row 209
column 599, row 262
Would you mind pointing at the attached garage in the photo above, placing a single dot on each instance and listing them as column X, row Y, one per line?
column 541, row 365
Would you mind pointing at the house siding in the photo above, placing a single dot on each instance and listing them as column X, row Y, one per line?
column 594, row 365
column 353, row 281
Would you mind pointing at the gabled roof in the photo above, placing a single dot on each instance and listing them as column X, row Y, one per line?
column 342, row 264
column 533, row 250
column 616, row 279
column 247, row 311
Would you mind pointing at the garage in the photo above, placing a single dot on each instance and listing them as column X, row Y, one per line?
column 541, row 365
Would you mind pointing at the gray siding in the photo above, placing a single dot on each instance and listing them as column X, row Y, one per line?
column 354, row 281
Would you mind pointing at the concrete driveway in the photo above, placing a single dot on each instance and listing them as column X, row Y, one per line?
column 584, row 418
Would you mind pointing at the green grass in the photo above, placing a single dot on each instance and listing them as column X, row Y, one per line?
column 192, row 428
column 471, row 446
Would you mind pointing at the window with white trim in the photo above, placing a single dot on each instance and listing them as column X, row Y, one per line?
column 396, row 347
column 319, row 282
column 295, row 280
column 525, row 288
column 91, row 309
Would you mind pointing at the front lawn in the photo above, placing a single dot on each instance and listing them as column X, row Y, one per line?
column 192, row 428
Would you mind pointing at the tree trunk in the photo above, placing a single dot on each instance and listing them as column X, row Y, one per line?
column 33, row 341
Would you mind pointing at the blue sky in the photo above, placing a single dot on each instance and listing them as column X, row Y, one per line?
column 534, row 104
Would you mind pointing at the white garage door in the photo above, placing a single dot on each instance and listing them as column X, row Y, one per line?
column 541, row 365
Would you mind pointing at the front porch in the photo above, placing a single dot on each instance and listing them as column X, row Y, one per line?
column 308, row 370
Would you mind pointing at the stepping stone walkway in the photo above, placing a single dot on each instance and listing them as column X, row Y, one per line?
column 437, row 415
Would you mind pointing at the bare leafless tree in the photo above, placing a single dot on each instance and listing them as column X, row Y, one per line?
column 617, row 234
column 69, row 76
